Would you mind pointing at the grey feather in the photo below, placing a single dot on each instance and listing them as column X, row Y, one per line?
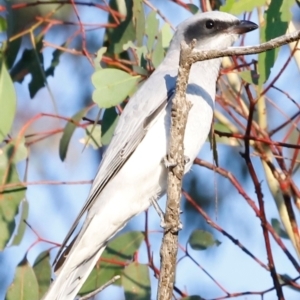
column 131, row 172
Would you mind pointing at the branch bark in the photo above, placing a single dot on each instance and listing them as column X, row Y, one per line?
column 180, row 109
column 231, row 51
column 179, row 115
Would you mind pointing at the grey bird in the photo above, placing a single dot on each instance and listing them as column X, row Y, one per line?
column 132, row 172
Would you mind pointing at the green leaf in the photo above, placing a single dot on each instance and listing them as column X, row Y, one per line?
column 113, row 260
column 223, row 139
column 68, row 132
column 151, row 30
column 277, row 17
column 139, row 21
column 31, row 62
column 23, row 212
column 109, row 122
column 10, row 197
column 279, row 229
column 98, row 58
column 8, row 102
column 166, row 35
column 93, row 136
column 20, row 149
column 3, row 24
column 125, row 32
column 249, row 76
column 139, row 51
column 213, row 146
column 11, row 48
column 201, row 240
column 54, row 62
column 136, row 282
column 25, row 285
column 112, row 86
column 285, row 279
column 238, row 7
column 13, row 152
column 42, row 271
column 163, row 42
column 11, row 52
column 193, row 8
column 158, row 53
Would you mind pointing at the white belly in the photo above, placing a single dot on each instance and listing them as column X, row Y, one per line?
column 144, row 175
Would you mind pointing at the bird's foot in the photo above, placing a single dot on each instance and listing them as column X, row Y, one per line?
column 159, row 211
column 170, row 226
column 170, row 164
column 186, row 160
column 173, row 226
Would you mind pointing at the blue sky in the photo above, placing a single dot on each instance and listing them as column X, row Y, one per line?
column 54, row 208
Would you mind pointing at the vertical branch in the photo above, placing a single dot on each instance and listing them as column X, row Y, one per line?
column 179, row 115
column 260, row 196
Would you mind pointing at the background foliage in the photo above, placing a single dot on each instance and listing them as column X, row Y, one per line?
column 67, row 70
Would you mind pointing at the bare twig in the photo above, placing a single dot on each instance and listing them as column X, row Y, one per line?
column 101, row 288
column 260, row 197
column 247, row 50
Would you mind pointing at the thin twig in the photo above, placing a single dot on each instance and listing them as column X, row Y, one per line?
column 101, row 288
column 260, row 197
column 247, row 50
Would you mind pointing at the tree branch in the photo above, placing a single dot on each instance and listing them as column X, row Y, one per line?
column 247, row 50
column 179, row 115
column 180, row 109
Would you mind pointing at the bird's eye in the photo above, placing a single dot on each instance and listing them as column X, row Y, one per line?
column 210, row 24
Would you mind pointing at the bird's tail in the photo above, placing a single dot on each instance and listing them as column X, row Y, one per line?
column 71, row 277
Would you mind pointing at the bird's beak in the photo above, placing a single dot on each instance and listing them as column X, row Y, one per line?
column 242, row 27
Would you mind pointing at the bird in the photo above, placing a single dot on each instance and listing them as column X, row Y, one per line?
column 132, row 173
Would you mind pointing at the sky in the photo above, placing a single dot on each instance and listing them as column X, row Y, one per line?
column 54, row 208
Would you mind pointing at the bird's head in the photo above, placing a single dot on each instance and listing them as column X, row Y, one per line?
column 211, row 30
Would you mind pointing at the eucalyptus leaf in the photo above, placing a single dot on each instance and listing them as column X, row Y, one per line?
column 8, row 102
column 112, row 86
column 42, row 270
column 3, row 24
column 21, row 225
column 31, row 62
column 279, row 229
column 10, row 196
column 93, row 136
column 68, row 133
column 25, row 284
column 139, row 21
column 166, row 35
column 201, row 240
column 152, row 26
column 158, row 53
column 109, row 123
column 276, row 23
column 136, row 281
column 237, row 7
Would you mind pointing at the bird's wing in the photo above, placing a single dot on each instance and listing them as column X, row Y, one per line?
column 139, row 113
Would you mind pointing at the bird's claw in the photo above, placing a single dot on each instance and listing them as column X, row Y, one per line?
column 159, row 211
column 186, row 160
column 173, row 227
column 172, row 164
column 168, row 164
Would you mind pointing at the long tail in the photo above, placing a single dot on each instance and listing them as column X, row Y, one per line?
column 84, row 254
column 71, row 277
